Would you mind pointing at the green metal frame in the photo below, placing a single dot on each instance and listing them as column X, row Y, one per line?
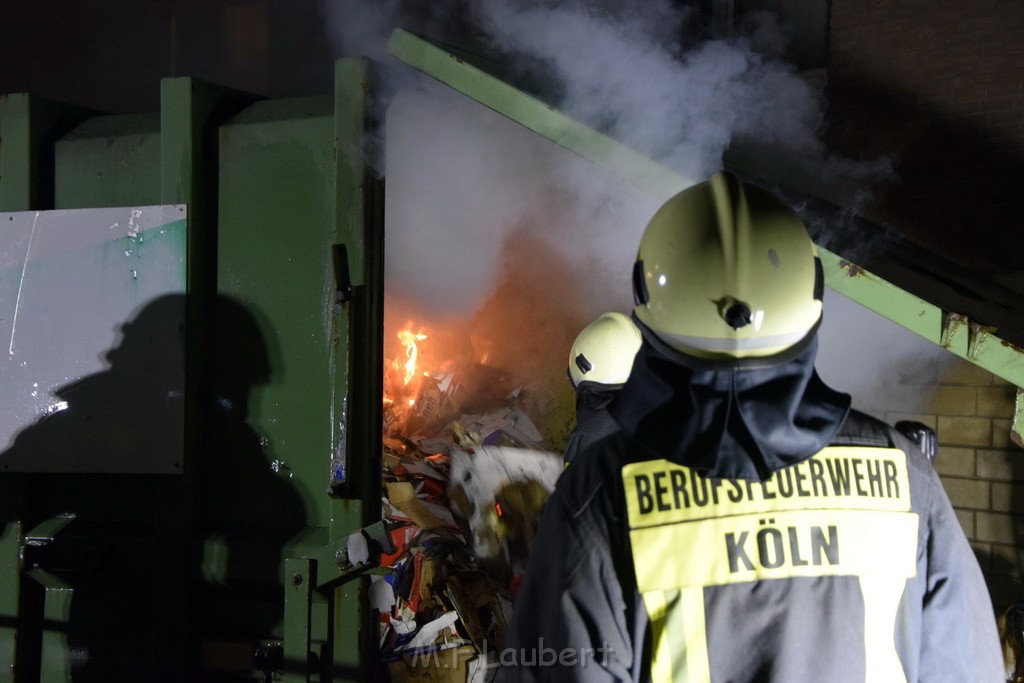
column 57, row 596
column 298, row 185
column 327, row 617
column 972, row 342
column 299, row 206
column 58, row 156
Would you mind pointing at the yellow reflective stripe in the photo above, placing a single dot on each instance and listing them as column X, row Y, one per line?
column 841, row 477
column 695, row 666
column 782, row 545
column 881, row 600
column 679, row 639
column 661, row 660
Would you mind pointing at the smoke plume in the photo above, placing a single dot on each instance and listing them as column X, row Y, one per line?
column 643, row 71
column 472, row 195
column 623, row 71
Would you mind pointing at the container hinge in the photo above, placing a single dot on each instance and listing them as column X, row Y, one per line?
column 342, row 278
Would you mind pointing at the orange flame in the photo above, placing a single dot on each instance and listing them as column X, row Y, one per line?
column 409, row 339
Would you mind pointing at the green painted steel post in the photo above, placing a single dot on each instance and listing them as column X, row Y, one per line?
column 190, row 113
column 182, row 165
column 301, row 577
column 55, row 664
column 18, row 163
column 10, row 580
column 28, row 127
column 295, row 246
column 359, row 225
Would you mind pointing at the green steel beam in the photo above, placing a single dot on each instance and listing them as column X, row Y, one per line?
column 190, row 114
column 535, row 115
column 952, row 331
column 974, row 343
column 45, row 532
column 351, row 82
column 356, row 421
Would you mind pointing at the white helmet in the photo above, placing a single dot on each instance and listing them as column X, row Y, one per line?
column 727, row 270
column 603, row 352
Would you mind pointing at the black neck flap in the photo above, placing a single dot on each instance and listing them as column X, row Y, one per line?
column 729, row 421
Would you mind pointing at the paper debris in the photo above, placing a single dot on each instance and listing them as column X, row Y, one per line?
column 358, row 548
column 403, row 496
column 430, row 631
column 382, row 596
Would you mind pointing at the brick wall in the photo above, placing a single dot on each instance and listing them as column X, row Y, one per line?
column 982, row 470
column 938, row 86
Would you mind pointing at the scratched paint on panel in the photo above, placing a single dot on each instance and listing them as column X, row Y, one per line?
column 91, row 324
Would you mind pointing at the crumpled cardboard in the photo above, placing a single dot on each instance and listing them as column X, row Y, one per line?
column 403, row 496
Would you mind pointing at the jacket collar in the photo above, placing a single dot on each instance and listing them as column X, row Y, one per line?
column 735, row 421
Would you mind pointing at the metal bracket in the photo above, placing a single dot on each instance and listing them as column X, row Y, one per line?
column 44, row 533
column 1017, row 427
column 976, row 338
column 35, row 546
column 954, row 328
column 378, row 537
column 342, row 277
column 52, row 618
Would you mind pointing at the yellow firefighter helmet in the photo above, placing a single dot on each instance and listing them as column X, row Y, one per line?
column 603, row 352
column 726, row 270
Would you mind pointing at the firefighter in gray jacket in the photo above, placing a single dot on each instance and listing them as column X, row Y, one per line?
column 744, row 524
column 599, row 363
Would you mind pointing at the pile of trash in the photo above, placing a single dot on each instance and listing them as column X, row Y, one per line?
column 462, row 494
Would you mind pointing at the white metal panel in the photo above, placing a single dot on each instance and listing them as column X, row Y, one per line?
column 92, row 315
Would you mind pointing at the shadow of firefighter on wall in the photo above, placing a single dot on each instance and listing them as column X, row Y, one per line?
column 152, row 573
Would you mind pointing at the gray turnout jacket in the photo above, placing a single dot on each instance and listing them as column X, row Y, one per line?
column 747, row 526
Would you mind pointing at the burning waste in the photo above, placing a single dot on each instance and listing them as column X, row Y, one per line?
column 465, row 473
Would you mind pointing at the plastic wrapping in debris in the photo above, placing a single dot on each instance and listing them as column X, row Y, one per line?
column 339, row 463
column 506, row 427
column 462, row 497
column 429, row 632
